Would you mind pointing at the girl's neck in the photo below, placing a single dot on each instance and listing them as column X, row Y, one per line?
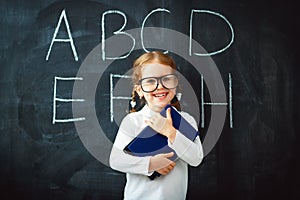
column 156, row 108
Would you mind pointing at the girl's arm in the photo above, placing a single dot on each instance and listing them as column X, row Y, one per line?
column 189, row 151
column 121, row 161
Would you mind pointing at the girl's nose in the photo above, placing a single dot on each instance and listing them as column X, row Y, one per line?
column 160, row 85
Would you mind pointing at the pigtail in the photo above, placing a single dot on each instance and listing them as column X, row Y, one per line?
column 136, row 103
column 132, row 102
column 175, row 103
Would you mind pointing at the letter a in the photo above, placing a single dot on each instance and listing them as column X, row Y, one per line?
column 70, row 39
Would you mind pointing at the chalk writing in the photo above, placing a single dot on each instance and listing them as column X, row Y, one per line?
column 118, row 32
column 143, row 25
column 112, row 97
column 217, row 103
column 122, row 32
column 55, row 99
column 70, row 39
column 191, row 53
column 191, row 33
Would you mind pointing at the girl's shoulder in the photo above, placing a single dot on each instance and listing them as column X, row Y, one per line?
column 183, row 113
column 188, row 117
column 134, row 114
column 132, row 117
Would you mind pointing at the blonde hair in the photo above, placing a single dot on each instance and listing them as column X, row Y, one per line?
column 146, row 58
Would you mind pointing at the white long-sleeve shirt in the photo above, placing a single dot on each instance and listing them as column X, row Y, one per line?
column 139, row 186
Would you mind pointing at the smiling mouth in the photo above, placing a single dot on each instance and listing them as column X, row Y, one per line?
column 159, row 95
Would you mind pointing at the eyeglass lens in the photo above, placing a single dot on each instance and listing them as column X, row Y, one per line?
column 150, row 84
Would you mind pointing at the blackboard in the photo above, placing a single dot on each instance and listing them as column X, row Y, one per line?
column 257, row 153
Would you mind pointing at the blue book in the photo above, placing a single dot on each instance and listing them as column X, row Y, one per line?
column 150, row 143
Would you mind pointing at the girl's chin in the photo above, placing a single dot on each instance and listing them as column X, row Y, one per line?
column 162, row 102
column 158, row 106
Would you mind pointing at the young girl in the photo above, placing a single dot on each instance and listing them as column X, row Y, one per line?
column 155, row 84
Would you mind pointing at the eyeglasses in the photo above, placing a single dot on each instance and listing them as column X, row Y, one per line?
column 150, row 84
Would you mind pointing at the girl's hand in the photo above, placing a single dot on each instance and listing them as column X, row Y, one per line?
column 161, row 163
column 163, row 125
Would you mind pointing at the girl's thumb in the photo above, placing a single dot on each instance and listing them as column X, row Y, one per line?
column 169, row 116
column 168, row 155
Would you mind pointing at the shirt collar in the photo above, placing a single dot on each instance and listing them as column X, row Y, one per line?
column 147, row 111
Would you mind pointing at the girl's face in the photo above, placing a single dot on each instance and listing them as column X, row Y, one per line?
column 159, row 98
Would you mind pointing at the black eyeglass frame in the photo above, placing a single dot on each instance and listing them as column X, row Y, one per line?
column 158, row 79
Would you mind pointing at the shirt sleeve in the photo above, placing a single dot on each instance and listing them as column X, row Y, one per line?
column 187, row 150
column 121, row 161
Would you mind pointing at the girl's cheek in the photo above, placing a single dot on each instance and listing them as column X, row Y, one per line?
column 173, row 92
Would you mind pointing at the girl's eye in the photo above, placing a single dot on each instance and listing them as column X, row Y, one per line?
column 150, row 81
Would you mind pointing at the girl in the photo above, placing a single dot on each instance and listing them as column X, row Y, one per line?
column 155, row 85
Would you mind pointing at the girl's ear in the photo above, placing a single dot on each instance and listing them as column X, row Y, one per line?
column 139, row 90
